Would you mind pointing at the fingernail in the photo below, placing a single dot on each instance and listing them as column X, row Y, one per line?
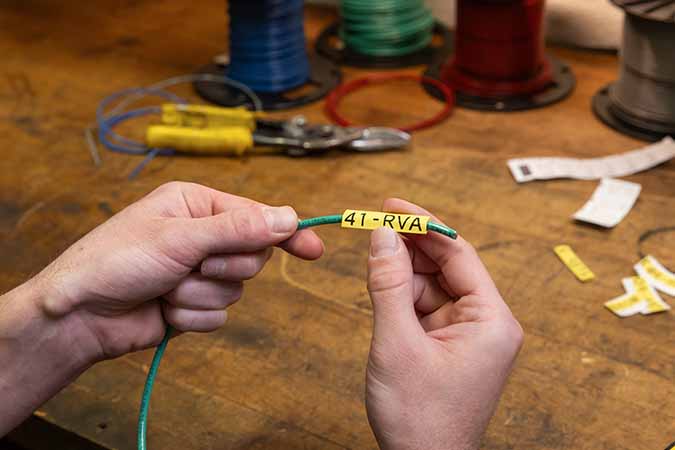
column 281, row 220
column 214, row 267
column 383, row 242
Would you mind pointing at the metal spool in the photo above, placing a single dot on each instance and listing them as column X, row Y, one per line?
column 499, row 62
column 641, row 103
column 268, row 54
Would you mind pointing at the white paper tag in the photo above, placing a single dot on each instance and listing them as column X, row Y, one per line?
column 656, row 275
column 529, row 169
column 610, row 203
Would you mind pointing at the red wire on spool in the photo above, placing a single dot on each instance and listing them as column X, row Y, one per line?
column 335, row 97
column 499, row 49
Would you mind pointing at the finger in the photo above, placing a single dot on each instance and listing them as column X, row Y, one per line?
column 420, row 261
column 194, row 320
column 441, row 318
column 390, row 283
column 304, row 244
column 235, row 267
column 197, row 292
column 465, row 310
column 197, row 200
column 428, row 294
column 462, row 268
column 239, row 230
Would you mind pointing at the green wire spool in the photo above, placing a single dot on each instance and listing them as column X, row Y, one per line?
column 383, row 34
column 386, row 28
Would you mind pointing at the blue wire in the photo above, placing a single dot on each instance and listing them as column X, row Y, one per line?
column 100, row 111
column 267, row 44
column 106, row 121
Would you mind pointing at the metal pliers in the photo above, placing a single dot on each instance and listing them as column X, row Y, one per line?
column 236, row 131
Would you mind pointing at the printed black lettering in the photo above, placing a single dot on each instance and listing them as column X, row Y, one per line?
column 350, row 218
column 363, row 218
column 416, row 223
column 388, row 220
column 402, row 225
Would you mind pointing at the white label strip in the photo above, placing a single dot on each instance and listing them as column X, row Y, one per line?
column 656, row 275
column 610, row 203
column 529, row 169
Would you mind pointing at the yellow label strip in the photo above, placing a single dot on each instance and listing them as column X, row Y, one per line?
column 370, row 220
column 626, row 305
column 573, row 262
column 656, row 275
column 640, row 287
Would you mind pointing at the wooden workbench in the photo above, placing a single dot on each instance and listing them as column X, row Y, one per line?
column 287, row 372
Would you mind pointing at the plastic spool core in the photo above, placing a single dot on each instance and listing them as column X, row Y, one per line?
column 641, row 103
column 499, row 60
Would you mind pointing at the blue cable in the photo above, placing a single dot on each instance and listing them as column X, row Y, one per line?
column 267, row 45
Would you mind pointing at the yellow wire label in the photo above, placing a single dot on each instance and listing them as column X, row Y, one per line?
column 572, row 261
column 653, row 301
column 656, row 275
column 626, row 305
column 370, row 220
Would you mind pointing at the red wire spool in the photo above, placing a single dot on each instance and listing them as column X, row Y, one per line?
column 499, row 59
column 499, row 49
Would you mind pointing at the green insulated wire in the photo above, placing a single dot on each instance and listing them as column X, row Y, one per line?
column 159, row 352
column 386, row 27
column 147, row 390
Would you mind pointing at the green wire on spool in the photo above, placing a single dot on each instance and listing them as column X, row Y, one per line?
column 386, row 27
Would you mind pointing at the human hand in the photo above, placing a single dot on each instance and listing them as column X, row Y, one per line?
column 443, row 344
column 187, row 244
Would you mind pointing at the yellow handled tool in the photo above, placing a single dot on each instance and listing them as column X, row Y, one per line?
column 225, row 140
column 235, row 131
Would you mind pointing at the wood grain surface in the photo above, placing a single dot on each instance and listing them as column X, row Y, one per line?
column 287, row 372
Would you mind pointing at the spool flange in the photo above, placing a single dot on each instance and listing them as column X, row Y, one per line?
column 562, row 85
column 324, row 77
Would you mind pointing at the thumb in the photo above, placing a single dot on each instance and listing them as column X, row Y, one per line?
column 241, row 230
column 390, row 283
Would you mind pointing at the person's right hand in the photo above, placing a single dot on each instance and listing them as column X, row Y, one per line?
column 443, row 344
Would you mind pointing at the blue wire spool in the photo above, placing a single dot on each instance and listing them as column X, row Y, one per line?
column 268, row 54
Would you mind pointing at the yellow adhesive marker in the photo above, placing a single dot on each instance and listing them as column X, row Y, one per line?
column 653, row 302
column 626, row 305
column 572, row 261
column 370, row 220
column 656, row 275
column 205, row 116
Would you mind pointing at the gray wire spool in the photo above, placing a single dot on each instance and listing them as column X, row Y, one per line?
column 641, row 103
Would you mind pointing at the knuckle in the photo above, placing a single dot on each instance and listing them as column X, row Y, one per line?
column 507, row 334
column 170, row 187
column 246, row 224
column 516, row 334
column 387, row 280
